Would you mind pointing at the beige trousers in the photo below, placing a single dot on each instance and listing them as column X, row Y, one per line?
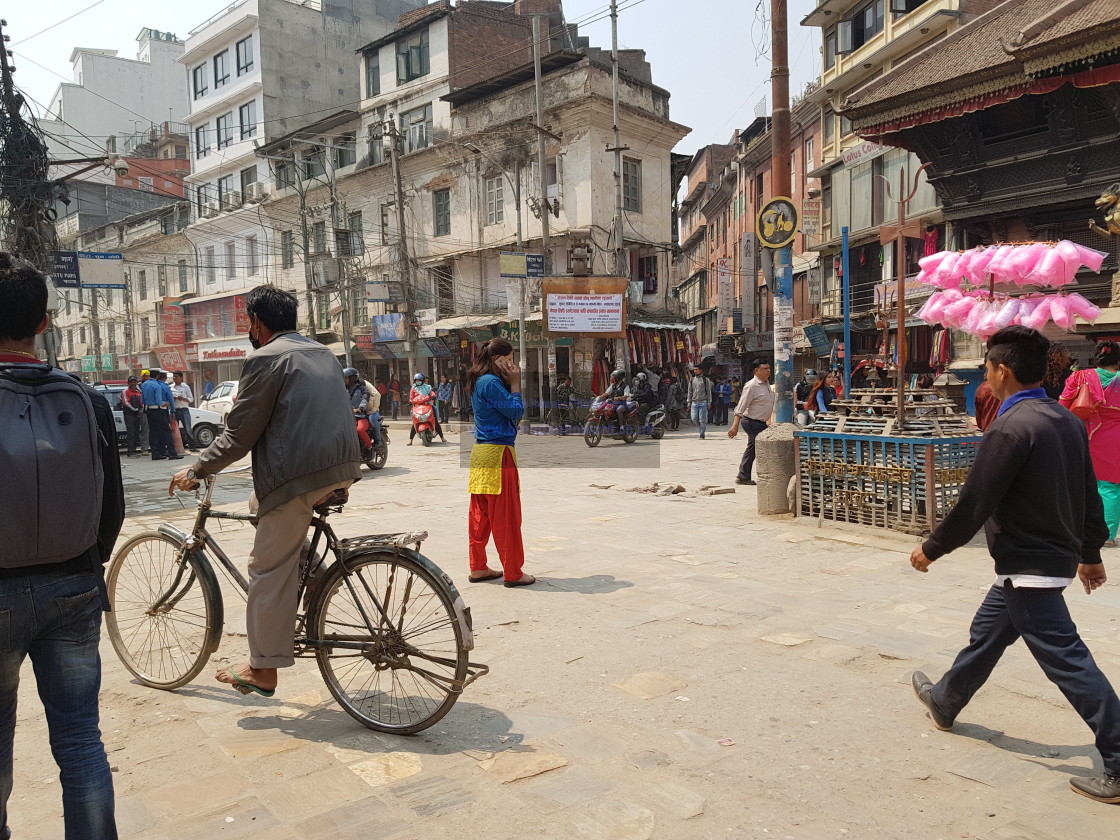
column 270, row 615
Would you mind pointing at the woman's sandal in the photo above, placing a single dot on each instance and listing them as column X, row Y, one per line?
column 490, row 575
column 524, row 580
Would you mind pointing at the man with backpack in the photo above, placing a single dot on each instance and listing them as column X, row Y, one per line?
column 63, row 503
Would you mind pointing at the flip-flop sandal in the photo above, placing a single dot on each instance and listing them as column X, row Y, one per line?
column 246, row 687
column 490, row 576
column 524, row 580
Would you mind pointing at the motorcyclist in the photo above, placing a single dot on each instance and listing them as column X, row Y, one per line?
column 421, row 394
column 564, row 394
column 644, row 396
column 368, row 423
column 618, row 395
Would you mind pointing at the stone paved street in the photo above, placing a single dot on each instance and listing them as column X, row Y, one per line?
column 684, row 669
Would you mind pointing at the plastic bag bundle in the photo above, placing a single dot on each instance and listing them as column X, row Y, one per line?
column 1030, row 264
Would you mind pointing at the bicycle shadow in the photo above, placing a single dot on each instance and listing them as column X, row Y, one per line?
column 588, row 585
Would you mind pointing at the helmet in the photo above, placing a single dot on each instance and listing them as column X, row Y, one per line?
column 641, row 377
column 618, row 376
column 810, row 372
column 419, row 377
column 348, row 372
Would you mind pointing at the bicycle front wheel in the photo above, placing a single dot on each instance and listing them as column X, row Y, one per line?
column 387, row 641
column 166, row 616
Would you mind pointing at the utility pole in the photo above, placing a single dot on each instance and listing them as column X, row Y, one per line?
column 95, row 334
column 402, row 246
column 129, row 344
column 308, row 272
column 781, row 178
column 620, row 266
column 542, row 168
column 340, row 261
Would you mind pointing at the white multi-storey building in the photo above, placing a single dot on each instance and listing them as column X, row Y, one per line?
column 259, row 69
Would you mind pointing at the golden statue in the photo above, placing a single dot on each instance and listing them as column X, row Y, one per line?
column 1110, row 203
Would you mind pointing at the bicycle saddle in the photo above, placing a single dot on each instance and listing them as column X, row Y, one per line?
column 336, row 498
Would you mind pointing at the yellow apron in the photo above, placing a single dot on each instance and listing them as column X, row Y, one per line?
column 486, row 468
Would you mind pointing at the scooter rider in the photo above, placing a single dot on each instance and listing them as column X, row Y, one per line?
column 368, row 423
column 644, row 396
column 801, row 393
column 618, row 394
column 422, row 393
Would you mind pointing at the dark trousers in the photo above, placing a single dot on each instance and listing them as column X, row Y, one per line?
column 753, row 427
column 1042, row 619
column 719, row 414
column 159, row 433
column 132, row 432
column 183, row 417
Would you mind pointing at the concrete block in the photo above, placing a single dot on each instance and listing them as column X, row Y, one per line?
column 777, row 464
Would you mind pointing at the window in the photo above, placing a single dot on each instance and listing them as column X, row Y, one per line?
column 201, row 142
column 248, row 176
column 441, row 210
column 182, row 275
column 244, row 51
column 199, row 74
column 146, row 184
column 314, row 163
column 225, row 187
column 285, row 175
column 142, row 284
column 69, row 342
column 845, row 126
column 247, row 117
column 830, row 50
column 441, row 280
column 647, row 274
column 373, row 75
column 287, row 249
column 416, row 126
column 225, row 130
column 359, row 317
column 864, row 25
column 384, row 224
column 145, row 332
column 323, row 311
column 319, row 238
column 357, row 240
column 412, row 57
column 251, row 265
column 495, row 208
column 81, row 335
column 376, row 144
column 161, row 280
column 203, row 195
column 829, row 128
column 905, row 7
column 221, row 69
column 231, row 261
column 808, row 156
column 632, row 185
column 208, row 265
column 344, row 152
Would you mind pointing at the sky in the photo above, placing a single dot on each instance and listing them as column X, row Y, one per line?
column 714, row 63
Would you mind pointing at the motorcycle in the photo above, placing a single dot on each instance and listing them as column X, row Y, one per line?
column 424, row 419
column 603, row 422
column 376, row 455
column 654, row 425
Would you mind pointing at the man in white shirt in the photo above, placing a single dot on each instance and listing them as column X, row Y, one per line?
column 755, row 408
column 184, row 397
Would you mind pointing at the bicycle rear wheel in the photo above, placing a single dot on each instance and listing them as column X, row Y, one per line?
column 166, row 616
column 397, row 672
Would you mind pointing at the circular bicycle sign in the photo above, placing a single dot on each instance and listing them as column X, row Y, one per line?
column 776, row 224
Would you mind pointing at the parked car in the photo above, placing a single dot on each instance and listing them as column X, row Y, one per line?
column 222, row 398
column 205, row 424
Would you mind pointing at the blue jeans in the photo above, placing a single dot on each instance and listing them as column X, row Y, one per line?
column 56, row 619
column 1042, row 619
column 700, row 416
column 375, row 427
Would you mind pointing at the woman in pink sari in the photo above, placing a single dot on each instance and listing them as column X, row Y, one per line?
column 1103, row 426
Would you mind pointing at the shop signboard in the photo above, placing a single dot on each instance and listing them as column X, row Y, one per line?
column 724, row 294
column 815, row 334
column 64, row 270
column 437, row 347
column 172, row 358
column 518, row 265
column 174, row 322
column 811, row 216
column 384, row 350
column 391, row 327
column 585, row 305
column 224, row 353
column 100, row 271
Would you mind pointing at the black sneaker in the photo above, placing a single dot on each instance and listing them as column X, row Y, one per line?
column 744, row 481
column 923, row 688
column 1103, row 788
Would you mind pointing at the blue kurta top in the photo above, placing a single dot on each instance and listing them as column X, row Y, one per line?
column 496, row 411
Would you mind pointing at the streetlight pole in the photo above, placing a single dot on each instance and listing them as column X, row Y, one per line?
column 781, row 179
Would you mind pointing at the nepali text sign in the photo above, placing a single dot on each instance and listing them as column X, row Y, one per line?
column 724, row 294
column 101, row 271
column 589, row 305
column 174, row 323
column 518, row 265
column 811, row 216
column 65, row 273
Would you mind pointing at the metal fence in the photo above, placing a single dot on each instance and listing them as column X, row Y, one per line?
column 906, row 484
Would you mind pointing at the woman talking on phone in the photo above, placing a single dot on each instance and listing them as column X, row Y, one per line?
column 495, row 385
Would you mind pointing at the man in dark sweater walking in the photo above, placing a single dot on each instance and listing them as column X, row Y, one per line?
column 1032, row 487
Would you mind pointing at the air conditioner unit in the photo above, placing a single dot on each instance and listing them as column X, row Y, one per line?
column 211, row 209
column 231, row 200
column 256, row 192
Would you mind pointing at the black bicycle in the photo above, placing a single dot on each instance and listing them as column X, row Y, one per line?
column 388, row 628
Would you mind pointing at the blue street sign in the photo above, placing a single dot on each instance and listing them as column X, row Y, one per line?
column 64, row 272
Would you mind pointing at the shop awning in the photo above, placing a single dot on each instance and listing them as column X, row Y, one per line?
column 218, row 296
column 649, row 325
column 336, row 347
column 466, row 322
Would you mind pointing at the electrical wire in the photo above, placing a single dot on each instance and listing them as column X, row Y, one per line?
column 60, row 22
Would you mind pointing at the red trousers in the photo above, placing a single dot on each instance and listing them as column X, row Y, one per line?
column 500, row 516
column 363, row 433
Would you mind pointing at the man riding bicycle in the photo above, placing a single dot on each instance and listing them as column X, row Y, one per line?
column 297, row 422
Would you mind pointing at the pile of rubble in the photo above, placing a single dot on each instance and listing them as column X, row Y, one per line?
column 661, row 488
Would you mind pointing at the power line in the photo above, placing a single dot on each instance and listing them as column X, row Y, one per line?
column 59, row 23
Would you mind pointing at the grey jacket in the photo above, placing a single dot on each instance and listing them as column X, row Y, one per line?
column 700, row 390
column 293, row 414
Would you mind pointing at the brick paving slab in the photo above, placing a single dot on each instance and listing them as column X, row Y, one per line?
column 826, row 737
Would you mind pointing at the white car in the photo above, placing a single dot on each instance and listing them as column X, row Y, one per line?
column 221, row 399
column 205, row 425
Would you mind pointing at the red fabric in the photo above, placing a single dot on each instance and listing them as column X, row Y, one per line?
column 363, row 433
column 500, row 516
column 987, row 406
column 20, row 360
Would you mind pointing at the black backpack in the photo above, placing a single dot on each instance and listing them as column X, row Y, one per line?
column 50, row 457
